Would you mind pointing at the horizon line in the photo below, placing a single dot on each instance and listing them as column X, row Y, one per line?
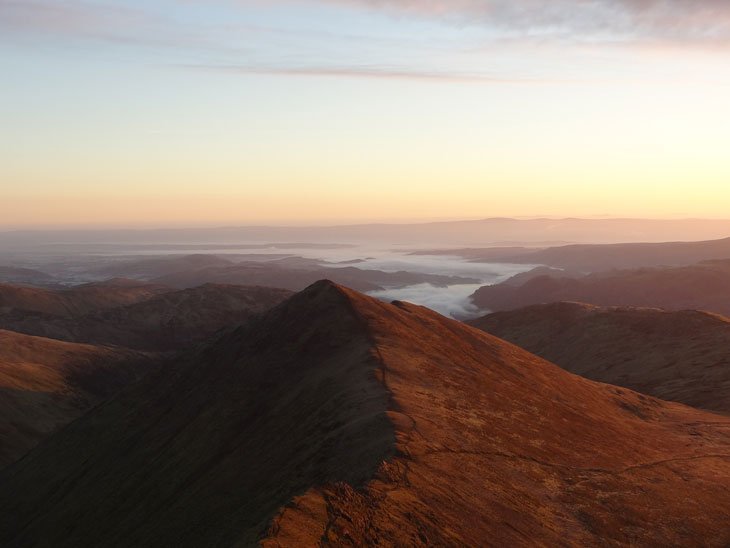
column 294, row 225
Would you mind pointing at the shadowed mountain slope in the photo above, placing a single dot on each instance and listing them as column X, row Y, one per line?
column 354, row 422
column 45, row 384
column 678, row 356
column 206, row 451
column 165, row 322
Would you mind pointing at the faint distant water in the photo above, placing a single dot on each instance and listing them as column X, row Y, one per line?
column 452, row 300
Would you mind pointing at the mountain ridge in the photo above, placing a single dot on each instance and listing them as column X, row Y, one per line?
column 335, row 418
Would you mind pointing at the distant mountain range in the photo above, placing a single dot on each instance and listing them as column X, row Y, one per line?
column 454, row 233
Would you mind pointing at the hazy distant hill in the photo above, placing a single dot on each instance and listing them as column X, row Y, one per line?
column 595, row 258
column 77, row 300
column 704, row 286
column 295, row 278
column 679, row 356
column 16, row 275
column 591, row 258
column 166, row 322
column 337, row 419
column 154, row 267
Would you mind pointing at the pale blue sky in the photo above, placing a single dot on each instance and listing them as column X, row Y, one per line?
column 183, row 111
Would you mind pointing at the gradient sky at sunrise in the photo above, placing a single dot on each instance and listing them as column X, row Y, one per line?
column 170, row 112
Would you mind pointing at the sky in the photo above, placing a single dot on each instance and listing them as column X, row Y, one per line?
column 217, row 112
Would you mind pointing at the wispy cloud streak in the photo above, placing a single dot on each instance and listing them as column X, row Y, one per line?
column 679, row 21
column 382, row 73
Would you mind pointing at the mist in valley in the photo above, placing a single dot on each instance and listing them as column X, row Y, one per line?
column 74, row 263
